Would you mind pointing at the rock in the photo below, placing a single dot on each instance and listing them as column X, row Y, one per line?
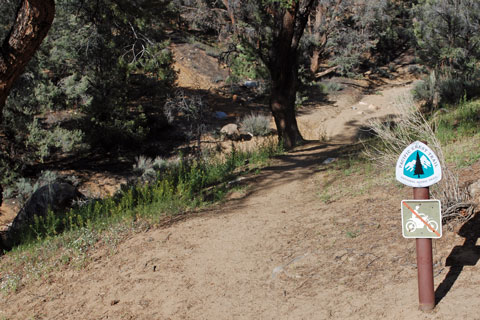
column 373, row 107
column 56, row 197
column 220, row 115
column 474, row 190
column 250, row 84
column 329, row 160
column 230, row 131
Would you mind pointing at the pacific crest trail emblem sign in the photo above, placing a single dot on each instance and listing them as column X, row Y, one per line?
column 418, row 166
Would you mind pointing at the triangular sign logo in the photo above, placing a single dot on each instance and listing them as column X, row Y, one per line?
column 418, row 166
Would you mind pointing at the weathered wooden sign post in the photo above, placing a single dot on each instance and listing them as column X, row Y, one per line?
column 419, row 167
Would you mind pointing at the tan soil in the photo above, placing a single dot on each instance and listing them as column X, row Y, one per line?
column 301, row 242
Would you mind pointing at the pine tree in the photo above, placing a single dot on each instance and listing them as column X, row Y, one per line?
column 418, row 167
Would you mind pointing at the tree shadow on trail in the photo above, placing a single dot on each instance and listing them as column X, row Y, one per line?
column 297, row 165
column 466, row 255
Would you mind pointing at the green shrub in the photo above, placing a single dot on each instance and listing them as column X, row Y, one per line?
column 329, row 87
column 244, row 63
column 425, row 89
column 441, row 88
column 100, row 67
column 178, row 187
column 447, row 34
column 457, row 122
column 47, row 141
column 300, row 99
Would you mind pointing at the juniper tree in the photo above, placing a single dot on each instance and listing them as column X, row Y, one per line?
column 448, row 38
column 99, row 59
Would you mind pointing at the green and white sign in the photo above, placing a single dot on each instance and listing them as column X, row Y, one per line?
column 418, row 166
column 421, row 219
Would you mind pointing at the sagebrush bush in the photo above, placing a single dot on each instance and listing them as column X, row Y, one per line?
column 425, row 89
column 395, row 135
column 330, row 87
column 445, row 87
column 257, row 124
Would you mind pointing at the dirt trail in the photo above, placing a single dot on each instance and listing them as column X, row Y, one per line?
column 278, row 252
column 289, row 248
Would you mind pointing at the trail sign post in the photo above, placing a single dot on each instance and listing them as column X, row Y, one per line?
column 419, row 167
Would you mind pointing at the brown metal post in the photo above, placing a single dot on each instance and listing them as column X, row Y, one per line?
column 426, row 294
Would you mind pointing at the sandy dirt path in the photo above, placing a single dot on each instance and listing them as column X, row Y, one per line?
column 283, row 250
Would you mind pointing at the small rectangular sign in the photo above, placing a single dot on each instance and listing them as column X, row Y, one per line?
column 421, row 219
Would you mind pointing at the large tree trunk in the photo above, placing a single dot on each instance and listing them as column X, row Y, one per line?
column 34, row 19
column 282, row 100
column 283, row 67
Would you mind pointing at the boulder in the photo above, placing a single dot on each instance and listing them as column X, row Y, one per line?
column 56, row 197
column 230, row 131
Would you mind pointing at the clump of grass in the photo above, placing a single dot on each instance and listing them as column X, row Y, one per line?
column 456, row 122
column 330, row 87
column 458, row 129
column 353, row 167
column 351, row 234
column 256, row 124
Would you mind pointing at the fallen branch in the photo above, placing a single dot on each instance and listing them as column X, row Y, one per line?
column 324, row 73
column 463, row 210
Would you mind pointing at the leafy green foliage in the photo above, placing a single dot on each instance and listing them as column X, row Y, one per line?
column 179, row 186
column 244, row 64
column 47, row 142
column 462, row 121
column 391, row 28
column 98, row 59
column 448, row 36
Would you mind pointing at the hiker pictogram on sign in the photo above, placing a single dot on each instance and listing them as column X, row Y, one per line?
column 418, row 166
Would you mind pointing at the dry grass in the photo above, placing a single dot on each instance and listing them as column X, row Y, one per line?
column 396, row 134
